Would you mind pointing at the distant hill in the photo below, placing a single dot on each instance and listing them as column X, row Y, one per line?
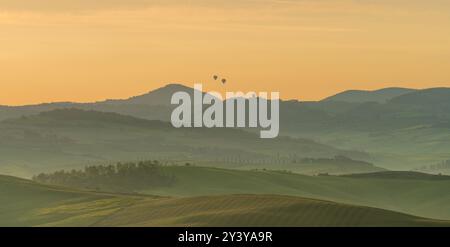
column 64, row 117
column 402, row 133
column 158, row 97
column 437, row 97
column 331, row 166
column 399, row 175
column 154, row 105
column 360, row 96
column 70, row 138
column 402, row 129
column 25, row 203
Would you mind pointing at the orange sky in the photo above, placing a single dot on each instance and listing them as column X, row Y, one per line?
column 82, row 50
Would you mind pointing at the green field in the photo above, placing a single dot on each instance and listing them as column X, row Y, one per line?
column 25, row 203
column 422, row 196
column 256, row 210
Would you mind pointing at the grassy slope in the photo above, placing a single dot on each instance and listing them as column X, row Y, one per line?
column 424, row 197
column 24, row 203
column 257, row 210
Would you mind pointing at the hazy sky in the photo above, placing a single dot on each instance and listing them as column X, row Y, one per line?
column 84, row 50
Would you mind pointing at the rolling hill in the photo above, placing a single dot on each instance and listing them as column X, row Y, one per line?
column 71, row 138
column 153, row 105
column 360, row 96
column 422, row 197
column 25, row 203
column 257, row 211
column 432, row 97
column 408, row 192
column 400, row 128
column 403, row 133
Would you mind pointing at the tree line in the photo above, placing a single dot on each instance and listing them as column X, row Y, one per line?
column 443, row 166
column 119, row 177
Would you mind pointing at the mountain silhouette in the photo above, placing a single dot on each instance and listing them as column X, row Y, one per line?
column 431, row 96
column 160, row 96
column 357, row 110
column 359, row 96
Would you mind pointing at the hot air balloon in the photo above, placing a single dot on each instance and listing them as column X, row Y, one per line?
column 224, row 81
column 215, row 77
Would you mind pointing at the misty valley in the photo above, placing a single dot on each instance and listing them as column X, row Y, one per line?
column 342, row 161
